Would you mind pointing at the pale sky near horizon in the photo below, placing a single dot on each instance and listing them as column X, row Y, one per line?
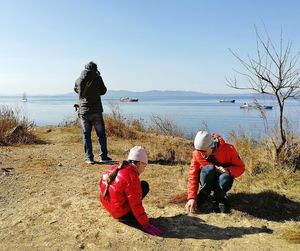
column 138, row 45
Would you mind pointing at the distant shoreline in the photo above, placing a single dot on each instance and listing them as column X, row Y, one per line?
column 156, row 93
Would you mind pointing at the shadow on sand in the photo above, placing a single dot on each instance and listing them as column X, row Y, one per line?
column 266, row 205
column 185, row 226
column 112, row 162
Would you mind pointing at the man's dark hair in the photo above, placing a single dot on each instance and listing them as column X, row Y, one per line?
column 91, row 66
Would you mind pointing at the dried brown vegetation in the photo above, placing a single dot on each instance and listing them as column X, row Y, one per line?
column 53, row 182
column 15, row 127
column 264, row 195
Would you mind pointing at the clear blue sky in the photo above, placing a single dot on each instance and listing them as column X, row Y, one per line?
column 138, row 45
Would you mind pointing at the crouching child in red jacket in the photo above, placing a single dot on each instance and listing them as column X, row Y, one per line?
column 214, row 166
column 121, row 191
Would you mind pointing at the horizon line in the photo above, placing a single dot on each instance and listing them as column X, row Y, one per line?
column 183, row 91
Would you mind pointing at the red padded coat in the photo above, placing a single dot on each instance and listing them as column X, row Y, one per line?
column 124, row 194
column 225, row 154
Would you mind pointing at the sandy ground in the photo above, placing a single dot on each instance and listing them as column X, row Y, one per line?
column 49, row 201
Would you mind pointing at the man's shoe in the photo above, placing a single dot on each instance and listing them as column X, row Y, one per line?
column 106, row 159
column 90, row 162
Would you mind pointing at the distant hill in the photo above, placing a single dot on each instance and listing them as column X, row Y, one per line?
column 159, row 93
column 153, row 93
column 156, row 93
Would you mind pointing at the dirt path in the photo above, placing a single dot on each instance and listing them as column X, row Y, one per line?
column 49, row 201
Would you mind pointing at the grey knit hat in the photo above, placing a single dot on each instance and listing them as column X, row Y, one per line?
column 203, row 141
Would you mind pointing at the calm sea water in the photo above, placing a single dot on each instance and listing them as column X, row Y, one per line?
column 191, row 113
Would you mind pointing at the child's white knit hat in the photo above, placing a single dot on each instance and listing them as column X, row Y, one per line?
column 138, row 153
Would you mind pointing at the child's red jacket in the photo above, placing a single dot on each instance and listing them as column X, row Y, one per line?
column 225, row 154
column 124, row 194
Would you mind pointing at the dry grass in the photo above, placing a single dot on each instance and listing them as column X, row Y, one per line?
column 118, row 126
column 165, row 126
column 15, row 127
column 264, row 192
column 261, row 155
column 263, row 172
column 292, row 235
column 163, row 140
column 164, row 150
column 60, row 134
column 70, row 123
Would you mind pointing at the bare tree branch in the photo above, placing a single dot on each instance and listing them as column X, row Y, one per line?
column 274, row 71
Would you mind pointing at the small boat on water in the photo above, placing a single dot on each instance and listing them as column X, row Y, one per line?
column 24, row 97
column 227, row 100
column 128, row 99
column 268, row 107
column 249, row 106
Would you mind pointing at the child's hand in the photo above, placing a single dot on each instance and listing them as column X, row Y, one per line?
column 191, row 205
column 153, row 230
column 221, row 169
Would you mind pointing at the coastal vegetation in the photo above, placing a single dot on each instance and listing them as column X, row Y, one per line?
column 15, row 127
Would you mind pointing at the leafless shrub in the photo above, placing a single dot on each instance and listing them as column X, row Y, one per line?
column 119, row 126
column 165, row 126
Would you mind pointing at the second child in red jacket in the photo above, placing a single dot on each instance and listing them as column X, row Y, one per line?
column 214, row 166
column 121, row 191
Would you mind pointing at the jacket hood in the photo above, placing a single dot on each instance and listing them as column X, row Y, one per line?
column 219, row 138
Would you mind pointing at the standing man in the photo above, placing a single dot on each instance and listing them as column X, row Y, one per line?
column 90, row 87
column 214, row 165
